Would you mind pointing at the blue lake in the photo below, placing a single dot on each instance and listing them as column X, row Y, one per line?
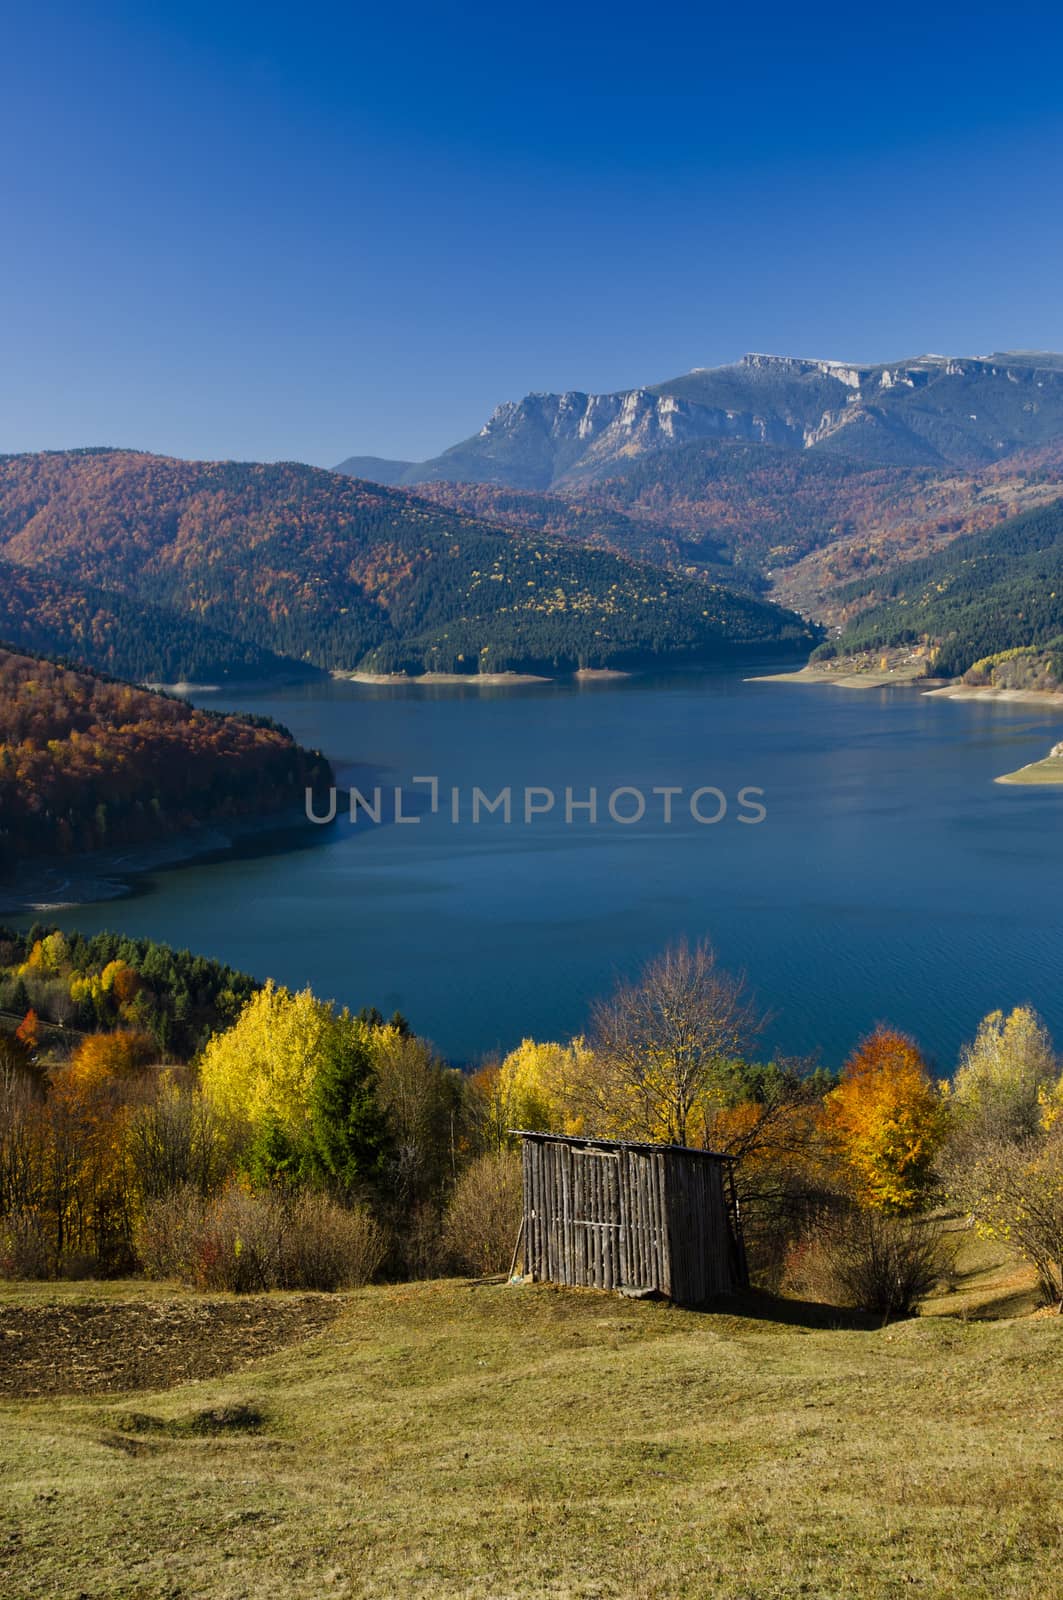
column 890, row 880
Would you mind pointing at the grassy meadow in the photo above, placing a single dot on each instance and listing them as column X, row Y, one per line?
column 480, row 1439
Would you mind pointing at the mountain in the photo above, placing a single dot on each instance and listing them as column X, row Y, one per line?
column 342, row 574
column 994, row 591
column 376, row 468
column 927, row 411
column 86, row 761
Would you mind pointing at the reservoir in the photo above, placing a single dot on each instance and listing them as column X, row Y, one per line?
column 889, row 879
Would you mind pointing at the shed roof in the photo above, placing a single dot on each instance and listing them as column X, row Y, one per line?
column 618, row 1144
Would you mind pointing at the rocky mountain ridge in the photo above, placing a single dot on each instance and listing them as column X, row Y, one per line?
column 928, row 410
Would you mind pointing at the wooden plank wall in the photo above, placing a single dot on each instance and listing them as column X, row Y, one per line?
column 637, row 1219
column 698, row 1227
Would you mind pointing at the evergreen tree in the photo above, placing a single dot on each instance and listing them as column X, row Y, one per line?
column 348, row 1131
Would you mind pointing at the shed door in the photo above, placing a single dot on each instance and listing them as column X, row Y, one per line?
column 594, row 1220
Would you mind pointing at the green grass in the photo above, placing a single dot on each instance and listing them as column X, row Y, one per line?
column 1050, row 770
column 450, row 1439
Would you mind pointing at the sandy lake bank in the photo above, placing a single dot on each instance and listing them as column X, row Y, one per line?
column 875, row 678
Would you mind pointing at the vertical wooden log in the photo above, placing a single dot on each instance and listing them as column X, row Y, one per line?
column 647, row 1269
column 525, row 1174
column 664, row 1230
column 586, row 1233
column 623, row 1197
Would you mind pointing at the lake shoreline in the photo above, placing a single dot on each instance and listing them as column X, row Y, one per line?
column 871, row 679
column 886, row 841
column 48, row 884
column 932, row 688
column 1045, row 773
column 481, row 680
column 1026, row 697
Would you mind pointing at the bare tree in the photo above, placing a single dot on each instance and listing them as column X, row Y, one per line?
column 177, row 1140
column 661, row 1043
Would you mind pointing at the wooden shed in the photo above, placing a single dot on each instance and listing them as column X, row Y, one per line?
column 641, row 1218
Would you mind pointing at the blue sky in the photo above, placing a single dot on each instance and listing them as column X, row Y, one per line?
column 304, row 231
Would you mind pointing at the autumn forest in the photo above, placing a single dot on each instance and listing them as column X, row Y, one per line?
column 87, row 761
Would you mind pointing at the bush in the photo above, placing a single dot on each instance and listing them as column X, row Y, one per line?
column 166, row 1236
column 484, row 1214
column 244, row 1242
column 328, row 1246
column 869, row 1260
column 238, row 1245
column 416, row 1247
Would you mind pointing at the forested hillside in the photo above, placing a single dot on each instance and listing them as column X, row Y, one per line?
column 112, row 633
column 993, row 592
column 343, row 574
column 765, row 518
column 109, row 981
column 86, row 762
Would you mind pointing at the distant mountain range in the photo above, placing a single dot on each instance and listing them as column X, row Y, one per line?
column 928, row 411
column 161, row 570
column 689, row 520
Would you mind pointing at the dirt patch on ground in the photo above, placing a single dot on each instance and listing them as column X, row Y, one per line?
column 110, row 1347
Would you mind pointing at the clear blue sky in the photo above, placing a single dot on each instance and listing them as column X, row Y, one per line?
column 307, row 230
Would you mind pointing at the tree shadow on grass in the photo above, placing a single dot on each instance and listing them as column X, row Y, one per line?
column 759, row 1306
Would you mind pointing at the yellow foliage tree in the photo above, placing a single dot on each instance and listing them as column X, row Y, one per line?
column 886, row 1121
column 87, row 1114
column 49, row 954
column 87, row 987
column 538, row 1085
column 262, row 1069
column 1007, row 1075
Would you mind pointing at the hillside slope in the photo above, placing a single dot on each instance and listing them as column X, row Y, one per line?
column 795, row 524
column 112, row 633
column 994, row 591
column 344, row 574
column 86, row 761
column 475, row 1438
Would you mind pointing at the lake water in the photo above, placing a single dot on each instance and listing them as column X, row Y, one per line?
column 890, row 880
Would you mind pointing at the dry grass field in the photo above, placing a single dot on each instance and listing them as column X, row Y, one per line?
column 492, row 1440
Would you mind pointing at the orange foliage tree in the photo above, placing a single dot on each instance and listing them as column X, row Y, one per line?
column 87, row 1112
column 27, row 1032
column 886, row 1121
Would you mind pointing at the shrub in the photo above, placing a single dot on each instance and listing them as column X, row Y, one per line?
column 415, row 1234
column 239, row 1243
column 24, row 1248
column 245, row 1242
column 328, row 1246
column 484, row 1214
column 870, row 1260
column 167, row 1236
